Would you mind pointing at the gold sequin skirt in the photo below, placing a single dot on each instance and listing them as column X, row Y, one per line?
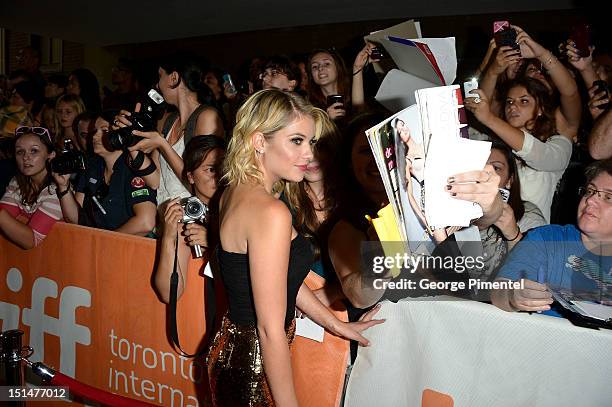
column 235, row 366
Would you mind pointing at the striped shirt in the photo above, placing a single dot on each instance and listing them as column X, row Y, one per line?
column 40, row 216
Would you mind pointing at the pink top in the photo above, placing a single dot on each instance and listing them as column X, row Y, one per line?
column 40, row 216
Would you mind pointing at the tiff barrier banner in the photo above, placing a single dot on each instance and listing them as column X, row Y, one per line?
column 86, row 304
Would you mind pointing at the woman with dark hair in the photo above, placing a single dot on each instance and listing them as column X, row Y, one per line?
column 535, row 61
column 108, row 195
column 180, row 83
column 203, row 158
column 27, row 95
column 529, row 129
column 328, row 76
column 517, row 217
column 83, row 83
column 30, row 206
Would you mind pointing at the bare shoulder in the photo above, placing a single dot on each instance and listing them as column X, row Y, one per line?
column 268, row 211
column 208, row 114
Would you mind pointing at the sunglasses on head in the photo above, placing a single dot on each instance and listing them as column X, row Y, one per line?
column 39, row 131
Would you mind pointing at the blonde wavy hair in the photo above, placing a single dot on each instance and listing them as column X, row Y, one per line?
column 266, row 111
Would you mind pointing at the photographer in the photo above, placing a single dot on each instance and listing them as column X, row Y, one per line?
column 110, row 196
column 180, row 83
column 30, row 206
column 203, row 157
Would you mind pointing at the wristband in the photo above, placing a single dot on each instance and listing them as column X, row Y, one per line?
column 61, row 194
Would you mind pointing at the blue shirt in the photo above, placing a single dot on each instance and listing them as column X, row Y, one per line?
column 555, row 255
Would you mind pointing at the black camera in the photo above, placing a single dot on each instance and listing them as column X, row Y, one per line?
column 69, row 160
column 194, row 210
column 378, row 53
column 144, row 120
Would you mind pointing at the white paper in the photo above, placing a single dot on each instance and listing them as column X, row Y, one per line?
column 591, row 309
column 396, row 91
column 307, row 328
column 445, row 53
column 208, row 270
column 448, row 157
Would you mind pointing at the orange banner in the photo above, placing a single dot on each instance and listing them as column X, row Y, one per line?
column 85, row 301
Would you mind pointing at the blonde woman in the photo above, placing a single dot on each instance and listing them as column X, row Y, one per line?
column 262, row 259
column 67, row 108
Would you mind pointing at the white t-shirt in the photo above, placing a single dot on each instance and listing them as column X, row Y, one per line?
column 543, row 168
column 171, row 186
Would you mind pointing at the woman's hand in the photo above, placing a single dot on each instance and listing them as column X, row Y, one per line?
column 597, row 98
column 62, row 181
column 574, row 58
column 529, row 47
column 534, row 297
column 172, row 218
column 507, row 223
column 195, row 234
column 479, row 105
column 151, row 140
column 121, row 119
column 352, row 330
column 480, row 187
column 336, row 111
column 505, row 57
column 363, row 57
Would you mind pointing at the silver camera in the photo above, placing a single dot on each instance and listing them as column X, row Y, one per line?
column 194, row 210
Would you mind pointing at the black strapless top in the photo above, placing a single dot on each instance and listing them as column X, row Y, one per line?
column 235, row 273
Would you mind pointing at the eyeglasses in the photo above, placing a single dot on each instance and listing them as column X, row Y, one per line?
column 588, row 192
column 273, row 73
column 39, row 131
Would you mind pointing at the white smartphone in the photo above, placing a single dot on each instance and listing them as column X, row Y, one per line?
column 469, row 86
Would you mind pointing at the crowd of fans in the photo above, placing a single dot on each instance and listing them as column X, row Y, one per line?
column 546, row 109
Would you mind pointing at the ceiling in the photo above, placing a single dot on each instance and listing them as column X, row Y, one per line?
column 114, row 22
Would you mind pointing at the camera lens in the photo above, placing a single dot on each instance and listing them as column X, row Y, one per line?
column 193, row 209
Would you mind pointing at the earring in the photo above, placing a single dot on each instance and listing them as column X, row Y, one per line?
column 259, row 151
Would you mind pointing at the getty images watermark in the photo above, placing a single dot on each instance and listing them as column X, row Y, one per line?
column 383, row 266
column 463, row 270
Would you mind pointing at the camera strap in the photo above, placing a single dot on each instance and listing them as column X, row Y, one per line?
column 172, row 309
column 136, row 163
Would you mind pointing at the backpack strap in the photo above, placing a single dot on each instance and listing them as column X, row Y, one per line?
column 190, row 128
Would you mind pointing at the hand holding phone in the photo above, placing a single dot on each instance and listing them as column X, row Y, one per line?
column 331, row 99
column 468, row 87
column 602, row 86
column 377, row 53
column 231, row 88
column 504, row 34
column 581, row 36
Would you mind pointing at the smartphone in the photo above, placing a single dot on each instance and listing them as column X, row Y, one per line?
column 602, row 86
column 504, row 34
column 468, row 86
column 505, row 194
column 227, row 78
column 331, row 99
column 581, row 36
